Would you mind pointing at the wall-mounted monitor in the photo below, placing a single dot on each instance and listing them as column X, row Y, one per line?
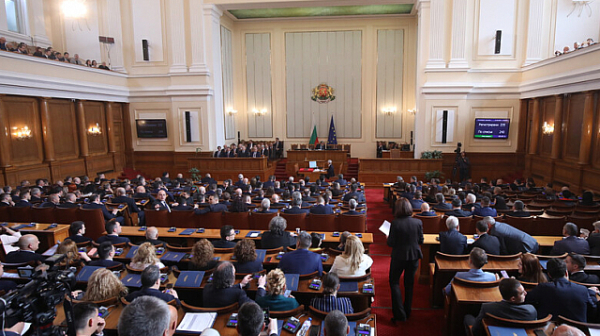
column 151, row 128
column 491, row 128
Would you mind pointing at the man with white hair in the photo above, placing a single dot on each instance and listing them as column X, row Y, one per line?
column 425, row 211
column 452, row 241
column 330, row 169
column 470, row 204
column 265, row 206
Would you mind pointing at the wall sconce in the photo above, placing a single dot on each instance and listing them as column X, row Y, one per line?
column 413, row 111
column 259, row 113
column 231, row 111
column 22, row 133
column 94, row 130
column 547, row 129
column 389, row 110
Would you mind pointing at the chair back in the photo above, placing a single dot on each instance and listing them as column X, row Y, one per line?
column 158, row 218
column 549, row 225
column 316, row 222
column 179, row 248
column 274, row 250
column 42, row 215
column 491, row 319
column 352, row 223
column 183, row 218
column 94, row 222
column 223, row 250
column 524, row 224
column 4, row 216
column 20, row 215
column 476, row 284
column 295, row 220
column 260, row 221
column 466, row 224
column 102, row 303
column 431, row 224
column 319, row 314
column 582, row 221
column 210, row 220
column 504, row 257
column 65, row 215
column 222, row 310
column 238, row 220
column 334, row 252
column 360, row 278
column 286, row 313
column 309, row 275
column 583, row 326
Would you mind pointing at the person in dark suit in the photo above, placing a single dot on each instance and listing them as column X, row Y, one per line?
column 218, row 152
column 575, row 266
column 512, row 240
column 441, row 203
column 306, row 196
column 28, row 244
column 227, row 237
column 518, row 210
column 417, row 200
column 499, row 201
column 457, row 210
column 122, row 198
column 352, row 206
column 207, row 179
column 485, row 209
column 341, row 180
column 594, row 239
column 359, row 196
column 152, row 237
column 213, row 206
column 471, row 203
column 7, row 286
column 296, row 207
column 106, row 253
column 113, row 228
column 425, row 211
column 320, row 208
column 301, row 261
column 511, row 307
column 330, row 169
column 489, row 243
column 561, row 297
column 161, row 201
column 24, row 200
column 77, row 231
column 69, row 203
column 406, row 234
column 265, row 207
column 245, row 256
column 52, row 202
column 150, row 286
column 96, row 204
column 452, row 241
column 5, row 200
column 277, row 236
column 570, row 242
column 223, row 291
column 278, row 145
column 140, row 192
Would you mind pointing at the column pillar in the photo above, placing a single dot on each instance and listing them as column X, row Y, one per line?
column 557, row 137
column 82, row 130
column 197, row 28
column 110, row 127
column 37, row 25
column 5, row 136
column 216, row 117
column 177, row 36
column 587, row 128
column 534, row 131
column 47, row 133
column 458, row 58
column 114, row 29
column 437, row 36
column 534, row 32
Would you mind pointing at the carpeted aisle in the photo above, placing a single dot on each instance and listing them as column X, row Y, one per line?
column 423, row 320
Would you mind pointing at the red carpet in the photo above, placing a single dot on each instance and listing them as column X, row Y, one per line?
column 423, row 320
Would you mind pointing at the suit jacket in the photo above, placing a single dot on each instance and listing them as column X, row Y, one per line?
column 23, row 256
column 161, row 206
column 113, row 239
column 571, row 244
column 221, row 297
column 562, row 297
column 48, row 205
column 223, row 243
column 416, row 203
column 459, row 213
column 500, row 203
column 430, row 213
column 22, row 204
column 406, row 234
column 518, row 214
column 126, row 200
column 107, row 215
column 472, row 275
column 342, row 182
column 104, row 263
column 255, row 155
column 295, row 210
column 360, row 197
column 321, row 210
column 217, row 153
column 490, row 244
column 453, row 242
column 211, row 208
column 583, row 277
column 513, row 240
column 249, row 266
column 485, row 211
column 270, row 240
column 79, row 239
column 4, row 204
column 443, row 206
column 68, row 205
column 150, row 292
column 301, row 261
column 308, row 199
column 504, row 309
column 594, row 241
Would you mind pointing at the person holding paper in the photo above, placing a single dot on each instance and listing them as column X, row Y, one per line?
column 354, row 261
column 148, row 316
column 8, row 238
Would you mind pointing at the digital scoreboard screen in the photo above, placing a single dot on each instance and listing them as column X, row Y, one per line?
column 151, row 128
column 491, row 128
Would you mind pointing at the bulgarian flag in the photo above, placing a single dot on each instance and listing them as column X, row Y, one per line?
column 314, row 139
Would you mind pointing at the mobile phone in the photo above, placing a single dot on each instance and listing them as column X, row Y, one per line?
column 335, row 234
column 160, row 250
column 256, row 275
column 266, row 315
column 292, row 324
column 164, row 277
column 142, row 228
column 103, row 312
column 82, row 249
column 233, row 320
column 504, row 274
column 172, row 229
column 324, row 257
column 119, row 251
column 121, row 206
column 297, row 230
column 169, row 286
column 279, row 255
column 287, row 293
column 476, row 236
column 200, row 230
column 359, row 235
column 315, row 284
column 363, row 329
column 143, row 202
column 368, row 288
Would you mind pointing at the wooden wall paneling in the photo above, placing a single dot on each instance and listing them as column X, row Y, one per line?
column 99, row 164
column 47, row 131
column 522, row 140
column 127, row 136
column 587, row 127
column 596, row 139
column 534, row 130
column 63, row 168
column 489, row 165
column 558, row 127
column 95, row 114
column 14, row 175
column 541, row 168
column 110, row 129
column 567, row 173
column 63, row 126
column 591, row 180
column 574, row 118
column 24, row 111
column 81, row 129
column 5, row 136
column 153, row 163
column 548, row 105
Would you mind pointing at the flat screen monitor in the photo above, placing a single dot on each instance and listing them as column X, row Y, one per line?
column 491, row 128
column 151, row 128
column 312, row 164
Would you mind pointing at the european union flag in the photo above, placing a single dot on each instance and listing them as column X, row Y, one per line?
column 332, row 138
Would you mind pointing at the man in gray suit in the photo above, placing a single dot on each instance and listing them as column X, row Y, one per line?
column 512, row 240
column 511, row 306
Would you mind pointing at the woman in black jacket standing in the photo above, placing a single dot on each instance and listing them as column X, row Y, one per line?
column 406, row 234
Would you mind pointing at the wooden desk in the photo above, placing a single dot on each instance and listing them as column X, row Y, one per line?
column 301, row 157
column 467, row 300
column 225, row 168
column 47, row 237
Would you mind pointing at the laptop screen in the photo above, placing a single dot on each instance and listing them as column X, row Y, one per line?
column 312, row 164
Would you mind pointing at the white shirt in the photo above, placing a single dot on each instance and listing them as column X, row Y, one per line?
column 341, row 266
column 8, row 241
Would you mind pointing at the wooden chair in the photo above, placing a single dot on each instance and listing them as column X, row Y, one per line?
column 42, row 215
column 171, row 303
column 504, row 257
column 19, row 215
column 319, row 314
column 182, row 218
column 274, row 250
column 524, row 224
column 559, row 211
column 356, row 278
column 158, row 218
column 210, row 220
column 223, row 250
column 238, row 220
column 139, row 271
column 123, row 244
column 222, row 310
column 583, row 326
column 84, row 244
column 65, row 215
column 476, row 284
column 242, row 275
column 431, row 224
column 179, row 248
column 286, row 313
column 334, row 252
column 94, row 222
column 316, row 222
column 467, row 224
column 582, row 221
column 548, row 225
column 295, row 220
column 261, row 221
column 544, row 324
column 102, row 303
column 309, row 275
column 14, row 266
column 4, row 216
column 352, row 223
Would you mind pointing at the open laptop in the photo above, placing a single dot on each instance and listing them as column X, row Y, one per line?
column 312, row 164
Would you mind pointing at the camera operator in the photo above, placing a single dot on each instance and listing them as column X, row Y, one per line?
column 87, row 321
column 251, row 321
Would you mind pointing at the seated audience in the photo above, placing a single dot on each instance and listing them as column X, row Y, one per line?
column 95, row 203
column 23, row 202
column 28, row 244
column 296, row 207
column 343, row 237
column 275, row 299
column 485, row 209
column 417, row 200
column 77, row 230
column 562, row 297
column 575, row 266
column 316, row 241
column 571, row 243
column 71, row 251
column 238, row 205
column 336, row 324
column 150, row 286
column 530, row 269
column 512, row 240
column 301, row 261
column 87, row 320
column 471, row 203
column 321, row 208
column 223, row 291
column 452, row 241
column 122, row 198
column 245, row 256
column 69, row 203
column 489, row 243
column 441, row 203
column 152, row 237
column 106, row 253
column 213, row 206
column 587, row 199
column 354, row 194
column 251, row 321
column 113, row 228
column 148, row 316
column 265, row 206
column 103, row 285
column 457, row 210
column 227, row 237
column 202, row 259
column 277, row 236
column 6, row 200
column 352, row 204
column 145, row 256
column 330, row 301
column 354, row 261
column 518, row 210
column 594, row 239
column 477, row 259
column 511, row 307
column 425, row 211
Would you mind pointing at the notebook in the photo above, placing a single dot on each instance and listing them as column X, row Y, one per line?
column 131, row 252
column 196, row 322
column 189, row 279
column 187, row 232
column 86, row 272
column 348, row 286
column 132, row 280
column 260, row 255
column 253, row 234
column 504, row 331
column 173, row 256
column 544, row 263
column 291, row 281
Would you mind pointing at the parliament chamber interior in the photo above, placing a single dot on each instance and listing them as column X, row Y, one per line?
column 307, row 167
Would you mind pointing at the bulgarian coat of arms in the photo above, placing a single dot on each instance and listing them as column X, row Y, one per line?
column 322, row 94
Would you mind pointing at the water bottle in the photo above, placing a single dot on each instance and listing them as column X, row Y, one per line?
column 305, row 326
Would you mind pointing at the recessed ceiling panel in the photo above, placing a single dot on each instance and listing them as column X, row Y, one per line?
column 268, row 13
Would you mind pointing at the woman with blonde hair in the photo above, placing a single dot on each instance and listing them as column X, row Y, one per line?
column 354, row 261
column 202, row 259
column 70, row 250
column 103, row 285
column 275, row 299
column 144, row 257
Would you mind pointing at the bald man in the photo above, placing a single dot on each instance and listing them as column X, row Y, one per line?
column 567, row 330
column 28, row 244
column 53, row 201
column 122, row 198
column 152, row 237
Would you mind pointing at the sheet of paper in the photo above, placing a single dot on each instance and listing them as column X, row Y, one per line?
column 385, row 228
column 254, row 234
column 51, row 251
column 197, row 322
column 7, row 243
